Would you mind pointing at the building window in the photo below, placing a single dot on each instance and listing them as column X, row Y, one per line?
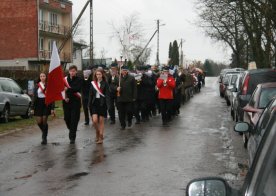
column 41, row 16
column 41, row 44
column 51, row 43
column 53, row 19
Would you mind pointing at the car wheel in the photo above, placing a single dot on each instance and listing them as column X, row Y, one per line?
column 245, row 140
column 28, row 113
column 6, row 114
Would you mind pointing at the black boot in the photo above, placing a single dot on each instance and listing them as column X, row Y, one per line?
column 44, row 134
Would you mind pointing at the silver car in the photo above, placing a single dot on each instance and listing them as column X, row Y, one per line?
column 13, row 101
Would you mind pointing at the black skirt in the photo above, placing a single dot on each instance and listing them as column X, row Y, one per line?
column 98, row 109
column 41, row 109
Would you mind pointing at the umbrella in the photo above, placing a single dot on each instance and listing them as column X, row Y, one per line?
column 199, row 70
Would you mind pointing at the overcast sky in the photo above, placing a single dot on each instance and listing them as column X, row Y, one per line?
column 179, row 17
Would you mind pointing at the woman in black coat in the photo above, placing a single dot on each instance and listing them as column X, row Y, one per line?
column 40, row 110
column 98, row 103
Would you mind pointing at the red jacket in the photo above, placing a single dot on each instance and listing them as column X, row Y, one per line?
column 166, row 92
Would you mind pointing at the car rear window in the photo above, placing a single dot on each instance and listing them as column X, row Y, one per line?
column 234, row 79
column 266, row 95
column 259, row 78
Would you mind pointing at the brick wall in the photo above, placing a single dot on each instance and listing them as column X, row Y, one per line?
column 18, row 29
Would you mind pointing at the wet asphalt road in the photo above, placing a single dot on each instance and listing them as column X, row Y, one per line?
column 147, row 159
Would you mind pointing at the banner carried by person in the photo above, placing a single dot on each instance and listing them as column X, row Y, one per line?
column 55, row 83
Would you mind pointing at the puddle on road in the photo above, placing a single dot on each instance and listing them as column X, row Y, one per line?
column 25, row 152
column 204, row 130
column 76, row 176
column 55, row 143
column 26, row 176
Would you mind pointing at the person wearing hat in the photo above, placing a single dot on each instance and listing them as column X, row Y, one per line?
column 127, row 93
column 144, row 84
column 166, row 85
column 86, row 84
column 113, row 82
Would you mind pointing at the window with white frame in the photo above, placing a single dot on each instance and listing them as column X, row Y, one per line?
column 51, row 43
column 41, row 43
column 53, row 19
column 41, row 16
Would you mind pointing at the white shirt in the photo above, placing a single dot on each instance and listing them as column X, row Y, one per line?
column 40, row 94
column 98, row 94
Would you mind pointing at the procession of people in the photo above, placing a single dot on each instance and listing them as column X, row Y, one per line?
column 136, row 94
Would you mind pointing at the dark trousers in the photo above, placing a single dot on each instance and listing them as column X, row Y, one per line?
column 176, row 103
column 72, row 117
column 85, row 109
column 125, row 110
column 111, row 111
column 166, row 109
column 140, row 106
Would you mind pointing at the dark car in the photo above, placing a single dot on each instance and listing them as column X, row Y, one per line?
column 249, row 82
column 233, row 97
column 258, row 101
column 261, row 176
column 257, row 131
column 13, row 101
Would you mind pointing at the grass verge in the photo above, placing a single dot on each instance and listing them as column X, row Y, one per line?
column 17, row 123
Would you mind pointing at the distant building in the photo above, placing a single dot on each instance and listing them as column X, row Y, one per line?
column 97, row 62
column 77, row 55
column 28, row 30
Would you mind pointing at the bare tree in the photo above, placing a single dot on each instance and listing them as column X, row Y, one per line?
column 221, row 21
column 247, row 26
column 130, row 36
column 102, row 55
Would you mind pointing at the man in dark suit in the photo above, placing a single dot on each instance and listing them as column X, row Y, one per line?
column 72, row 102
column 127, row 94
column 86, row 84
column 113, row 82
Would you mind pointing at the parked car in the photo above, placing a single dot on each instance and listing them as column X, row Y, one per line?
column 250, row 80
column 224, row 81
column 257, row 131
column 231, row 87
column 258, row 101
column 13, row 101
column 233, row 97
column 261, row 176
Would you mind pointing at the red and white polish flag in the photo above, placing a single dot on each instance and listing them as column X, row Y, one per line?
column 55, row 82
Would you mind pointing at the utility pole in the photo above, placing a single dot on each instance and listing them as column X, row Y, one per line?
column 91, row 34
column 157, row 53
column 69, row 33
column 181, row 52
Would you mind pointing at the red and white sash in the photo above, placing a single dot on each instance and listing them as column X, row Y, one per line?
column 42, row 88
column 98, row 89
column 77, row 94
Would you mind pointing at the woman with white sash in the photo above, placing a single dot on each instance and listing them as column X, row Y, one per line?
column 98, row 103
column 40, row 110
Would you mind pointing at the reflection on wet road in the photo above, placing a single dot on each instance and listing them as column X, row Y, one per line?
column 147, row 159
